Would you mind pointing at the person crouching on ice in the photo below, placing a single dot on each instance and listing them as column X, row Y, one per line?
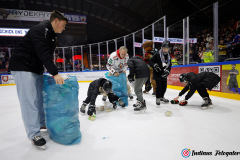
column 97, row 87
column 138, row 69
column 200, row 82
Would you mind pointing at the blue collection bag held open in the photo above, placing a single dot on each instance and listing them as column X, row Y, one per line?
column 60, row 104
column 119, row 86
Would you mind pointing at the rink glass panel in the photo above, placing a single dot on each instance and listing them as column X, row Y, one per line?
column 176, row 49
column 201, row 27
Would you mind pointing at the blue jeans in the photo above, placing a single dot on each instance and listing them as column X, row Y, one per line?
column 29, row 90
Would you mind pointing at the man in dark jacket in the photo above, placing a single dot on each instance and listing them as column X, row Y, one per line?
column 161, row 64
column 33, row 52
column 97, row 87
column 138, row 69
column 200, row 82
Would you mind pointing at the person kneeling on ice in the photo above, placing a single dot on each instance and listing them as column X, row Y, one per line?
column 140, row 70
column 97, row 87
column 200, row 82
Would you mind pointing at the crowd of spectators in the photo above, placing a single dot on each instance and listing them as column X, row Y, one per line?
column 203, row 50
column 200, row 52
column 4, row 60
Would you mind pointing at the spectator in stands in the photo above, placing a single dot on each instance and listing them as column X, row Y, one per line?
column 1, row 65
column 191, row 56
column 200, row 55
column 202, row 44
column 222, row 51
column 2, row 54
column 7, row 65
column 174, row 59
column 237, row 43
column 208, row 55
column 68, row 67
column 229, row 47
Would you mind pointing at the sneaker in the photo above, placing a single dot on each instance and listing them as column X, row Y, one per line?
column 164, row 100
column 43, row 129
column 158, row 101
column 39, row 141
column 83, row 107
column 141, row 106
column 205, row 103
column 104, row 98
column 137, row 104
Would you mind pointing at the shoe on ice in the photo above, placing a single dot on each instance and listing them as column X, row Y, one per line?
column 39, row 141
column 137, row 104
column 205, row 103
column 164, row 100
column 43, row 129
column 83, row 107
column 158, row 101
column 141, row 106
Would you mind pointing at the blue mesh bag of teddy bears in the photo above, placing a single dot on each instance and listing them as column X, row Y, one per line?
column 119, row 86
column 60, row 103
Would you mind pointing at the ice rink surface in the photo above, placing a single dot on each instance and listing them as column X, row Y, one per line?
column 124, row 135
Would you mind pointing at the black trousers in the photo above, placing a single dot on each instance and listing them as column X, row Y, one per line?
column 161, row 88
column 202, row 90
column 91, row 98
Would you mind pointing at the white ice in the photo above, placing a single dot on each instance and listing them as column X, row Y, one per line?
column 124, row 135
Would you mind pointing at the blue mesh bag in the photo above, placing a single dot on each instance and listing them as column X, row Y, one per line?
column 60, row 103
column 119, row 86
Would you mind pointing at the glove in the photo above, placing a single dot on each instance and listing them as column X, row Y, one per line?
column 148, row 87
column 165, row 73
column 114, row 105
column 174, row 101
column 156, row 67
column 91, row 110
column 183, row 103
column 121, row 103
column 130, row 78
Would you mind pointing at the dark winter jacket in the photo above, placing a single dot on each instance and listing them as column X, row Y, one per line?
column 138, row 68
column 35, row 50
column 156, row 59
column 95, row 89
column 208, row 79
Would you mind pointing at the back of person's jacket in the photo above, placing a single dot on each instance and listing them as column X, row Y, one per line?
column 138, row 67
column 35, row 50
column 93, row 90
column 208, row 79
